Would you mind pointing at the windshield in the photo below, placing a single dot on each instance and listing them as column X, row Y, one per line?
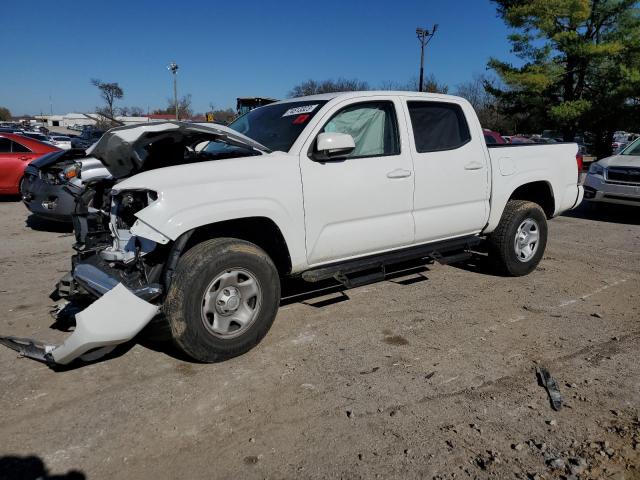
column 216, row 150
column 277, row 126
column 633, row 149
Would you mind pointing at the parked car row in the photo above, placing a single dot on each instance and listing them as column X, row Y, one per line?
column 16, row 152
column 615, row 179
column 61, row 141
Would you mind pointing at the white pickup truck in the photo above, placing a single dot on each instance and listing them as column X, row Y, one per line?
column 338, row 185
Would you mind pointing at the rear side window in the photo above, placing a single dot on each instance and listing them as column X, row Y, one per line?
column 372, row 125
column 18, row 148
column 438, row 126
column 5, row 145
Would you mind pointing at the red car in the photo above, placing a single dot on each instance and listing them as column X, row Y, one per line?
column 492, row 138
column 16, row 152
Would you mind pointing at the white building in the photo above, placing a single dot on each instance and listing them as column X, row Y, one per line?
column 71, row 119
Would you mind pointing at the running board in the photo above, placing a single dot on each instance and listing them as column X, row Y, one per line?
column 360, row 280
column 449, row 251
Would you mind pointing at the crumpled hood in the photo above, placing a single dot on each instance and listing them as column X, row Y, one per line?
column 125, row 150
column 56, row 157
column 621, row 161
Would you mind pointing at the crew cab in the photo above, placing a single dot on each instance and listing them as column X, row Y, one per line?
column 338, row 185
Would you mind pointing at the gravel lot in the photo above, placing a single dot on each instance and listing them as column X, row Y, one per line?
column 431, row 375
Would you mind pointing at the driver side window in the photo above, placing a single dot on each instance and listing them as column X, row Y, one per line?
column 372, row 125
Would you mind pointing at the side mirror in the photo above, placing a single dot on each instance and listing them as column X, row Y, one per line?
column 333, row 146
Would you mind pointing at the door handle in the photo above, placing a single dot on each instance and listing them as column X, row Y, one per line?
column 399, row 173
column 24, row 158
column 473, row 165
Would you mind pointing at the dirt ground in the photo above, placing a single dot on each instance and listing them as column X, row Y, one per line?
column 430, row 375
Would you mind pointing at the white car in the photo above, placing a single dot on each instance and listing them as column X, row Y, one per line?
column 338, row 185
column 60, row 141
column 615, row 179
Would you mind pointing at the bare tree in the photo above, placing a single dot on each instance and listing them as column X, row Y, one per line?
column 431, row 85
column 136, row 112
column 313, row 87
column 110, row 92
column 486, row 105
column 184, row 107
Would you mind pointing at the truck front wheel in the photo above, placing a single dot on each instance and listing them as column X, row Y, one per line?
column 518, row 242
column 223, row 299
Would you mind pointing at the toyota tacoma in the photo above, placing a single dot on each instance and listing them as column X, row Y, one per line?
column 338, row 185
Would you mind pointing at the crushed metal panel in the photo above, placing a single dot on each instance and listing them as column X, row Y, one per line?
column 122, row 149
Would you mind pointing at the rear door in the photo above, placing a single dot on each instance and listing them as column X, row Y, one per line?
column 361, row 204
column 14, row 157
column 451, row 169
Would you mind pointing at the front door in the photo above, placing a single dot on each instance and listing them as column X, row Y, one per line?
column 360, row 204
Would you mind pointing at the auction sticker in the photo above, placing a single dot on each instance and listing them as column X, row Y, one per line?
column 299, row 110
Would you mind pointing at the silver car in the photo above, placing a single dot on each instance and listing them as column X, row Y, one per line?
column 615, row 179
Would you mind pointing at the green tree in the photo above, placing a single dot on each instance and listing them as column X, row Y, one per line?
column 581, row 65
column 5, row 114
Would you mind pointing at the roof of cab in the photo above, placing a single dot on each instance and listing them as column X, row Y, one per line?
column 367, row 93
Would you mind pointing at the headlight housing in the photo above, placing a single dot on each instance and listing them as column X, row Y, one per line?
column 72, row 171
column 596, row 169
column 126, row 203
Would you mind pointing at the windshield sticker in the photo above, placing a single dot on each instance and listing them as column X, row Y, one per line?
column 300, row 110
column 301, row 119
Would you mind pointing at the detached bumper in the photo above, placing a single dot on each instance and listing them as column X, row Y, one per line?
column 119, row 314
column 116, row 317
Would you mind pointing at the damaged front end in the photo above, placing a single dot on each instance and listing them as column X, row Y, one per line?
column 115, row 266
column 121, row 262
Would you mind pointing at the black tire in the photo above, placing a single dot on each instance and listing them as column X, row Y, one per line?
column 194, row 274
column 21, row 186
column 502, row 241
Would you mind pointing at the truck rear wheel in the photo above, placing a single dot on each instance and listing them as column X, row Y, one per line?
column 518, row 242
column 223, row 299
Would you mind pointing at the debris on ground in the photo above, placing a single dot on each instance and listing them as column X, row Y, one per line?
column 547, row 381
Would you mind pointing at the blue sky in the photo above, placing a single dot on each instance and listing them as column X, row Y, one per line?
column 227, row 49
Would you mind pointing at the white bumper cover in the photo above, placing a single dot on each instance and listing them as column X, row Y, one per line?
column 114, row 318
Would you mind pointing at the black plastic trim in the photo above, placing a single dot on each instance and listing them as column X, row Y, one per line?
column 435, row 250
column 507, row 145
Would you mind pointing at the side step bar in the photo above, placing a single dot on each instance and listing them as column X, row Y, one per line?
column 449, row 251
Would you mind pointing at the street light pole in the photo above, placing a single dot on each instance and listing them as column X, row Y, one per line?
column 173, row 68
column 424, row 37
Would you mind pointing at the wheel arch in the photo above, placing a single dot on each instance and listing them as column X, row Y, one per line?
column 540, row 192
column 261, row 231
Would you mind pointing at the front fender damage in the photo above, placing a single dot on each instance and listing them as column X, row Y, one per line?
column 115, row 318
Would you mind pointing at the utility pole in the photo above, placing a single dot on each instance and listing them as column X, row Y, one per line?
column 173, row 68
column 424, row 37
